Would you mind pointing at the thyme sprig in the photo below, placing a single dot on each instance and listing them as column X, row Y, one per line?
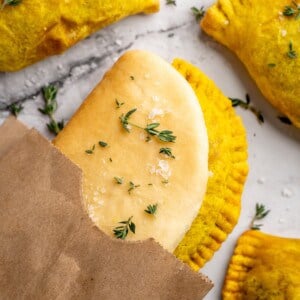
column 151, row 129
column 15, row 108
column 260, row 213
column 10, row 3
column 166, row 151
column 151, row 209
column 49, row 94
column 121, row 232
column 198, row 12
column 247, row 106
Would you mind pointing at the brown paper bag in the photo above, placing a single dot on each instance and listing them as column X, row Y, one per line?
column 49, row 248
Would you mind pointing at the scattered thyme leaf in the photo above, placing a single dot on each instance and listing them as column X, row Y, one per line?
column 119, row 180
column 198, row 13
column 10, row 3
column 285, row 120
column 118, row 104
column 150, row 184
column 247, row 106
column 121, row 232
column 165, row 181
column 110, row 159
column 151, row 209
column 90, row 151
column 291, row 53
column 170, row 35
column 132, row 77
column 171, row 2
column 271, row 65
column 289, row 11
column 50, row 107
column 125, row 119
column 103, row 144
column 167, row 151
column 260, row 213
column 132, row 186
column 15, row 109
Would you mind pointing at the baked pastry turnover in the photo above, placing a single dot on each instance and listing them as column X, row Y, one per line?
column 263, row 267
column 33, row 30
column 265, row 37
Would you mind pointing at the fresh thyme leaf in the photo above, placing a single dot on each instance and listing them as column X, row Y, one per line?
column 171, row 2
column 10, row 3
column 121, row 232
column 289, row 11
column 166, row 151
column 285, row 120
column 110, row 159
column 150, row 184
column 246, row 105
column 125, row 118
column 102, row 144
column 90, row 151
column 260, row 213
column 50, row 107
column 198, row 13
column 55, row 127
column 291, row 53
column 132, row 186
column 151, row 209
column 119, row 104
column 271, row 65
column 132, row 77
column 119, row 180
column 292, row 11
column 164, row 135
column 165, row 181
column 15, row 109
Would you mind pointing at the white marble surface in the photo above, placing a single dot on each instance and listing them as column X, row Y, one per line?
column 274, row 148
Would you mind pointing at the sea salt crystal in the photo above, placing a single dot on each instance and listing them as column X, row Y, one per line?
column 261, row 180
column 163, row 169
column 119, row 42
column 155, row 98
column 155, row 112
column 283, row 32
column 287, row 193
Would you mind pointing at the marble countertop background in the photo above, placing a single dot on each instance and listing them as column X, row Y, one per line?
column 274, row 148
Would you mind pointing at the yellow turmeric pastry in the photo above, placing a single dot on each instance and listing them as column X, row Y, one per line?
column 265, row 37
column 263, row 267
column 127, row 175
column 33, row 30
column 228, row 165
